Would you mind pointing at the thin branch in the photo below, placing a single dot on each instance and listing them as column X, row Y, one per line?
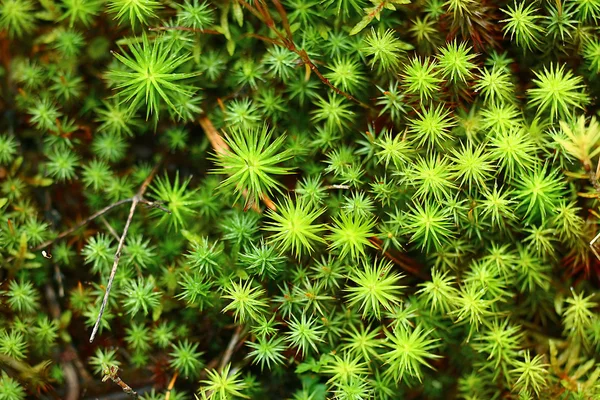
column 59, row 279
column 112, row 375
column 71, row 381
column 330, row 187
column 284, row 18
column 155, row 204
column 338, row 186
column 75, row 227
column 230, row 347
column 593, row 245
column 306, row 59
column 110, row 228
column 404, row 264
column 71, row 363
column 82, row 223
column 115, row 266
column 216, row 141
column 288, row 42
column 171, row 385
column 220, row 147
column 265, row 39
column 139, row 197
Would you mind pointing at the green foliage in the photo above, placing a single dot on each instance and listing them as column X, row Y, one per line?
column 440, row 292
column 538, row 193
column 8, row 149
column 335, row 112
column 140, row 295
column 251, row 162
column 10, row 388
column 267, row 351
column 384, row 48
column 495, row 85
column 304, row 334
column 224, row 385
column 61, row 164
column 431, row 126
column 22, row 297
column 429, row 225
column 133, row 11
column 13, row 344
column 195, row 14
column 559, row 91
column 375, row 288
column 578, row 316
column 177, row 197
column 456, row 62
column 531, row 373
column 350, row 234
column 104, row 359
column 522, row 24
column 409, row 351
column 149, row 75
column 421, row 77
column 347, row 75
column 472, row 166
column 301, row 199
column 185, row 358
column 246, row 302
column 294, row 226
column 17, row 17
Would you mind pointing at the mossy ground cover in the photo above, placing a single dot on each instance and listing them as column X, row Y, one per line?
column 299, row 199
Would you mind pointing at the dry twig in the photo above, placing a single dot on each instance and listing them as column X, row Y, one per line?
column 404, row 262
column 261, row 11
column 111, row 373
column 110, row 228
column 135, row 200
column 220, row 147
column 171, row 385
column 230, row 347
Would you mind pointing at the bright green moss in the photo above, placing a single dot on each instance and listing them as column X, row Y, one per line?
column 303, row 199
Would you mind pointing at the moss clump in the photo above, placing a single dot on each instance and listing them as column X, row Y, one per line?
column 299, row 199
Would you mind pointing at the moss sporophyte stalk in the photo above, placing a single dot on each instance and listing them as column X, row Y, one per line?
column 299, row 199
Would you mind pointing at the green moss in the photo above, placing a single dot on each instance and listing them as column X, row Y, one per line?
column 303, row 199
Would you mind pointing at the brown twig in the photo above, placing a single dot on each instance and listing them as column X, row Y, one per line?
column 59, row 279
column 262, row 12
column 155, row 204
column 110, row 228
column 216, row 140
column 111, row 374
column 402, row 262
column 139, row 197
column 220, row 147
column 71, row 380
column 78, row 225
column 70, row 370
column 230, row 347
column 284, row 18
column 171, row 385
column 268, row 202
column 265, row 39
